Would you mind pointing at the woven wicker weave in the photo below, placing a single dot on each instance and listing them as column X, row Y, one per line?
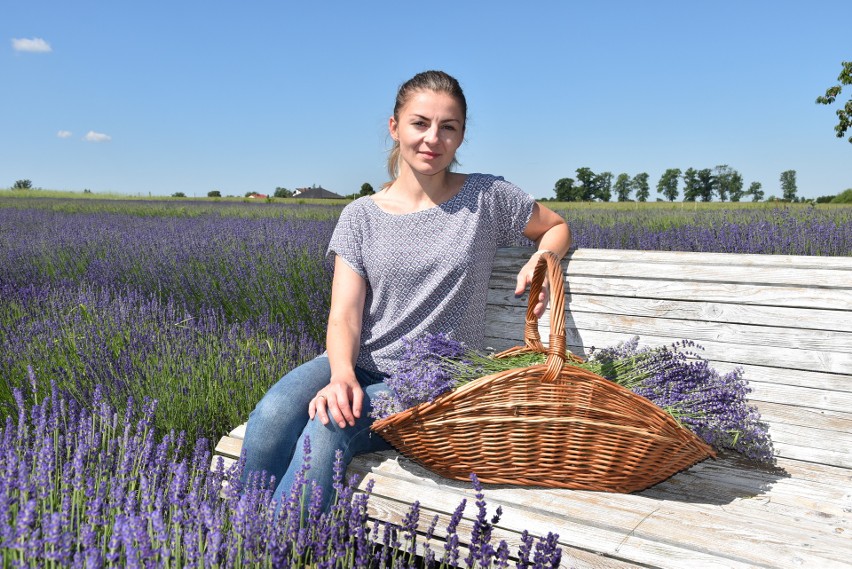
column 551, row 425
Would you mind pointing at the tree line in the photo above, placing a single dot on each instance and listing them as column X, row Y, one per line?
column 723, row 182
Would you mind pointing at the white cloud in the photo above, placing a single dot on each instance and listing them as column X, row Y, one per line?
column 32, row 45
column 93, row 136
column 64, row 134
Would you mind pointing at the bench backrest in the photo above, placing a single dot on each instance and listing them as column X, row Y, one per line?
column 786, row 320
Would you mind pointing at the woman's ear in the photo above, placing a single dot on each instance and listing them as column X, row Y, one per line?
column 393, row 128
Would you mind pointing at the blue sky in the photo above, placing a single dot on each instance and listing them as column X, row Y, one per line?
column 160, row 97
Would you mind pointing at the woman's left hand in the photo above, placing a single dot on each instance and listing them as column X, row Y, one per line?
column 525, row 278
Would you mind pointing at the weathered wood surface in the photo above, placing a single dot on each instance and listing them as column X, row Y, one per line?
column 785, row 320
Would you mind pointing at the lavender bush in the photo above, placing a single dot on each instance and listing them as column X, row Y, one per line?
column 99, row 488
column 205, row 371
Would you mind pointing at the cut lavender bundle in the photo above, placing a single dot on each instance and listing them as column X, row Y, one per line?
column 678, row 379
column 425, row 371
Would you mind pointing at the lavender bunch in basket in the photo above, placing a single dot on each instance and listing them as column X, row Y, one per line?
column 425, row 370
column 677, row 379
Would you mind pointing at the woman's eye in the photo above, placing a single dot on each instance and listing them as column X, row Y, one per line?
column 449, row 127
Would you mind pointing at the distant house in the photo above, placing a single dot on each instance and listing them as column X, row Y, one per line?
column 316, row 192
column 258, row 196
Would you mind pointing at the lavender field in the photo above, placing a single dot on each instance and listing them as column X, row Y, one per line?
column 203, row 304
column 200, row 306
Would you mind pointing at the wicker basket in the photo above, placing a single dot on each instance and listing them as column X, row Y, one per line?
column 551, row 425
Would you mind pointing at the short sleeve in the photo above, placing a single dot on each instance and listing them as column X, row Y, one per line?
column 511, row 209
column 347, row 240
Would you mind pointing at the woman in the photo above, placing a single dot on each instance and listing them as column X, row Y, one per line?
column 413, row 258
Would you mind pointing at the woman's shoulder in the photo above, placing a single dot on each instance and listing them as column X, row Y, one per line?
column 491, row 184
column 358, row 206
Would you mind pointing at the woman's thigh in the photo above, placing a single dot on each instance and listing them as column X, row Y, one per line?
column 285, row 405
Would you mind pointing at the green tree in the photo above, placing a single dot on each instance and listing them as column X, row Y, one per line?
column 367, row 189
column 178, row 195
column 566, row 191
column 603, row 186
column 667, row 186
column 788, row 185
column 755, row 191
column 641, row 187
column 214, row 194
column 706, row 184
column 844, row 115
column 587, row 183
column 691, row 189
column 622, row 187
column 22, row 185
column 722, row 179
column 736, row 186
column 843, row 197
column 282, row 192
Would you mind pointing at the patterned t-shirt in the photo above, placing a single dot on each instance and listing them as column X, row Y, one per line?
column 428, row 271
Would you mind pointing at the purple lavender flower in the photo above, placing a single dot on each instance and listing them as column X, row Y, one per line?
column 421, row 375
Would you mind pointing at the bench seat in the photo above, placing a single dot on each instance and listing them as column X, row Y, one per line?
column 787, row 321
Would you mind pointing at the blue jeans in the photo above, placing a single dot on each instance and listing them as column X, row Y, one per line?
column 277, row 428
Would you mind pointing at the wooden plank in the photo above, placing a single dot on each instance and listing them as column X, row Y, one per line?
column 809, row 454
column 802, row 397
column 796, row 377
column 728, row 269
column 227, row 462
column 791, row 414
column 733, row 273
column 839, row 443
column 239, row 432
column 660, row 287
column 500, row 332
column 733, row 312
column 752, row 335
column 229, row 446
column 508, row 259
column 752, row 294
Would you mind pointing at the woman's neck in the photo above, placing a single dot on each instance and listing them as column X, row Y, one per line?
column 412, row 191
column 423, row 187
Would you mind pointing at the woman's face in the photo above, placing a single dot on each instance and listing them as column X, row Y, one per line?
column 430, row 128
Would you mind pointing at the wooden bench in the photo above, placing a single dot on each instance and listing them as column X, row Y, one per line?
column 787, row 321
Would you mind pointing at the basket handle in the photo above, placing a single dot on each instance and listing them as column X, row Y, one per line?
column 548, row 264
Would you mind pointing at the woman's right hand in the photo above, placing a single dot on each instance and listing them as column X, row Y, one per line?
column 342, row 400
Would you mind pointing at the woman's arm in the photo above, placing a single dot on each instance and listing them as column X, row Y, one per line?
column 550, row 233
column 343, row 396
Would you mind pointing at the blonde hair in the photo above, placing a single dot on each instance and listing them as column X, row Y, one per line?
column 437, row 82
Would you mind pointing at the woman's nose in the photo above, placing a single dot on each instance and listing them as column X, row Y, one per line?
column 432, row 134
